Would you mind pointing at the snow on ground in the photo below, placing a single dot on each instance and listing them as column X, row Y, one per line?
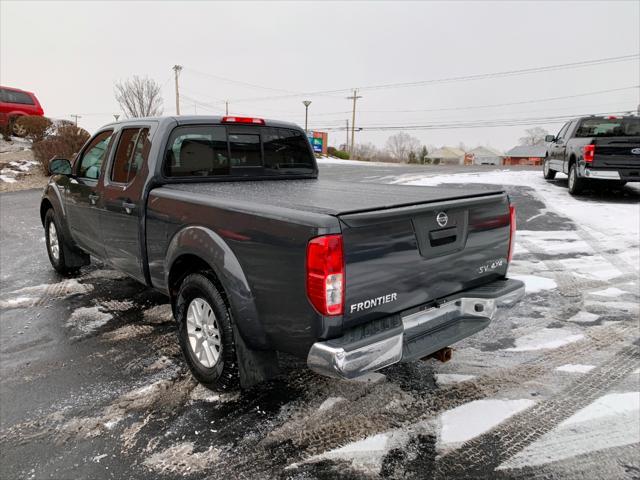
column 609, row 292
column 613, row 420
column 546, row 338
column 625, row 228
column 535, row 284
column 86, row 320
column 472, row 419
column 16, row 144
column 336, row 160
column 575, row 368
column 449, row 378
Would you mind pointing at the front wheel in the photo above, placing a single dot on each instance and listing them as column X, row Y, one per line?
column 206, row 334
column 17, row 129
column 547, row 172
column 55, row 245
column 576, row 184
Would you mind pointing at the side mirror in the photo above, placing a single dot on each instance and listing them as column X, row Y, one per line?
column 549, row 138
column 59, row 166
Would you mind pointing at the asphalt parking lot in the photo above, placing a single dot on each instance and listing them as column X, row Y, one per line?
column 93, row 385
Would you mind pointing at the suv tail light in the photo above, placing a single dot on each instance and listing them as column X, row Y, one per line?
column 512, row 231
column 325, row 274
column 588, row 152
column 250, row 120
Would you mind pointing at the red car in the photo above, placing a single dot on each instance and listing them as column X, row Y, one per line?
column 13, row 104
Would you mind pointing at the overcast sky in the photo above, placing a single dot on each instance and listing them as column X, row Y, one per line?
column 70, row 55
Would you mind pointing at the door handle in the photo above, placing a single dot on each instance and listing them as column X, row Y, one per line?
column 128, row 207
column 93, row 198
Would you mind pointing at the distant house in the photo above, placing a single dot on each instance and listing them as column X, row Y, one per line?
column 526, row 155
column 485, row 156
column 447, row 156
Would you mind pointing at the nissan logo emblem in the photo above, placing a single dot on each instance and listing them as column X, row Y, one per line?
column 442, row 219
column 635, row 151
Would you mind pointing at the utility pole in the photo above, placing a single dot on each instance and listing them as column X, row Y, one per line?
column 306, row 104
column 354, row 97
column 226, row 107
column 76, row 117
column 177, row 69
column 346, row 145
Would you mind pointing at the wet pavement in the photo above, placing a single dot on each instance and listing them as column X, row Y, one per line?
column 93, row 385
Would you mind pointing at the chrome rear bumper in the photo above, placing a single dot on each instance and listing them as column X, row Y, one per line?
column 415, row 335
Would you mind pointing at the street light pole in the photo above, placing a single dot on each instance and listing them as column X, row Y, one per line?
column 306, row 104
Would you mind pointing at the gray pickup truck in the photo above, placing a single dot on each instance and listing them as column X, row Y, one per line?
column 595, row 149
column 228, row 218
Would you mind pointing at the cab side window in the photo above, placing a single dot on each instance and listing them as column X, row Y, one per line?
column 133, row 149
column 94, row 155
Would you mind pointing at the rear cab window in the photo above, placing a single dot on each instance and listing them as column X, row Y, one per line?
column 609, row 127
column 237, row 151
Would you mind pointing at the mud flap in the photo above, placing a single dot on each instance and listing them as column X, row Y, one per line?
column 255, row 366
column 75, row 258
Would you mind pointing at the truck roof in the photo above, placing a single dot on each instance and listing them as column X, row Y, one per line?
column 198, row 119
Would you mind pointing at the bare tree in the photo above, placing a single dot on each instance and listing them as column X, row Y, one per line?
column 365, row 151
column 139, row 97
column 401, row 144
column 534, row 136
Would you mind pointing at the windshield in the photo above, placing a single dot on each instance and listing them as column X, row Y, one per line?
column 237, row 150
column 609, row 127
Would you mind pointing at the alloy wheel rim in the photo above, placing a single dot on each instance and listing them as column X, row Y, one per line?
column 546, row 167
column 54, row 245
column 204, row 332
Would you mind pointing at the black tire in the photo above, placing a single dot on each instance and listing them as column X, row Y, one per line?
column 57, row 256
column 547, row 172
column 16, row 129
column 222, row 373
column 576, row 184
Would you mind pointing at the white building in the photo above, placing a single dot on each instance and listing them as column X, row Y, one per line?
column 486, row 156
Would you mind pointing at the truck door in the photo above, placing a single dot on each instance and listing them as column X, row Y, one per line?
column 121, row 210
column 557, row 149
column 83, row 195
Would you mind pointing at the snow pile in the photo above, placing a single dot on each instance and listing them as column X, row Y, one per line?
column 86, row 320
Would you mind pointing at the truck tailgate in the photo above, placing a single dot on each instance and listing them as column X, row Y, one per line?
column 400, row 258
column 617, row 152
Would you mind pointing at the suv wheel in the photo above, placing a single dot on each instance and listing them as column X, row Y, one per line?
column 56, row 245
column 17, row 129
column 547, row 172
column 206, row 334
column 576, row 184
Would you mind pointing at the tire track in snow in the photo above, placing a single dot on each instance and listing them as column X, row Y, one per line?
column 481, row 456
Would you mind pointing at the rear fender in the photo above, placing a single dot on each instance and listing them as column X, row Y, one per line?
column 212, row 249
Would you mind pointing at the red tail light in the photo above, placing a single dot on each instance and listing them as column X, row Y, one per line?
column 250, row 120
column 325, row 274
column 588, row 152
column 512, row 231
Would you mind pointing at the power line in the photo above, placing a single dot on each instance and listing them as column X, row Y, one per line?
column 463, row 78
column 481, row 123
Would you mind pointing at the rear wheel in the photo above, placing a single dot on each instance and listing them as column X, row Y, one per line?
column 547, row 172
column 16, row 128
column 55, row 245
column 576, row 184
column 206, row 334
